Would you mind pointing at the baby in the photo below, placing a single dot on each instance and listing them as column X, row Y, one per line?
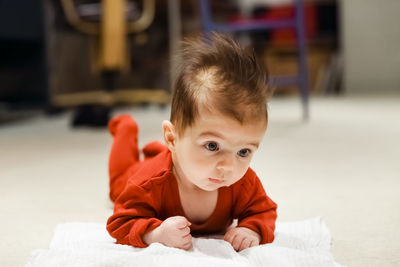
column 200, row 181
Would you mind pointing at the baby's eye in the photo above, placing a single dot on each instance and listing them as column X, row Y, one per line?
column 244, row 152
column 212, row 146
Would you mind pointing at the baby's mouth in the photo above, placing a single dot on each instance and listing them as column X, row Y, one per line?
column 216, row 181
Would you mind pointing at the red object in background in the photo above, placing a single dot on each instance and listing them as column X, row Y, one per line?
column 285, row 36
column 288, row 36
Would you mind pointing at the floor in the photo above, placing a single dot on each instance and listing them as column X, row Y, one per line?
column 342, row 165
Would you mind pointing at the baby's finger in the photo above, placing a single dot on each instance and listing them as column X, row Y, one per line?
column 228, row 237
column 185, row 231
column 237, row 242
column 187, row 245
column 181, row 222
column 186, row 242
column 254, row 242
column 187, row 238
column 245, row 244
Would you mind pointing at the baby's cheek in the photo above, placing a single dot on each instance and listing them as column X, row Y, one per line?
column 242, row 169
column 199, row 167
column 236, row 179
column 204, row 162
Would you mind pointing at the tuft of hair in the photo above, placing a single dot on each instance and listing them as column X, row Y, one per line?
column 217, row 74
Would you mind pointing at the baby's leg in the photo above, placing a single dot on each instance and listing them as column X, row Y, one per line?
column 124, row 152
column 153, row 148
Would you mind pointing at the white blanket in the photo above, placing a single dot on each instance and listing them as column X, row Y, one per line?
column 304, row 243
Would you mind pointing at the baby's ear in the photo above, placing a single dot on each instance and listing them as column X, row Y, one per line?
column 169, row 134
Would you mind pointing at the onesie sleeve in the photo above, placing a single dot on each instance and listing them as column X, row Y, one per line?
column 254, row 209
column 135, row 213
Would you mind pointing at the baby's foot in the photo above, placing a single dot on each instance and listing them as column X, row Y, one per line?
column 122, row 121
column 153, row 148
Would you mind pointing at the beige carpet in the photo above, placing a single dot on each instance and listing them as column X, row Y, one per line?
column 342, row 165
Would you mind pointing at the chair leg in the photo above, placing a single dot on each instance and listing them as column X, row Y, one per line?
column 302, row 77
column 302, row 57
column 205, row 10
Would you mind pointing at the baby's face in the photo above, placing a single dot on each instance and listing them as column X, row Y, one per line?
column 216, row 151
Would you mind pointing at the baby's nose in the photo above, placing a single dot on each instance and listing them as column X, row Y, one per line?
column 225, row 167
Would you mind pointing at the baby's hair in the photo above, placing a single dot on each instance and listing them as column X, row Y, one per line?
column 218, row 74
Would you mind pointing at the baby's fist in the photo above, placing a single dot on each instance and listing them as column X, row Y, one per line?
column 241, row 238
column 175, row 232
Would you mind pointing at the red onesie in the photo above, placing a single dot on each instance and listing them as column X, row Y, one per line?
column 145, row 192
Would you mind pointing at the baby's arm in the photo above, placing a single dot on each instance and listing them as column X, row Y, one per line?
column 256, row 214
column 173, row 232
column 135, row 221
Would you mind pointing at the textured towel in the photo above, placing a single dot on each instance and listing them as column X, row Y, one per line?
column 304, row 243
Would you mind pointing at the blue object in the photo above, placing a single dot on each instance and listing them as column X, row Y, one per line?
column 297, row 23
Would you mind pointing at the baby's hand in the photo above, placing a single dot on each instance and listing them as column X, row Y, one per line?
column 173, row 232
column 242, row 238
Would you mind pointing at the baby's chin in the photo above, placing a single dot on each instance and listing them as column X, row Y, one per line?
column 206, row 188
column 212, row 187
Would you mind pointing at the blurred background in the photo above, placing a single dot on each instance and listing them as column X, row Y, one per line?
column 66, row 55
column 70, row 55
column 331, row 150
